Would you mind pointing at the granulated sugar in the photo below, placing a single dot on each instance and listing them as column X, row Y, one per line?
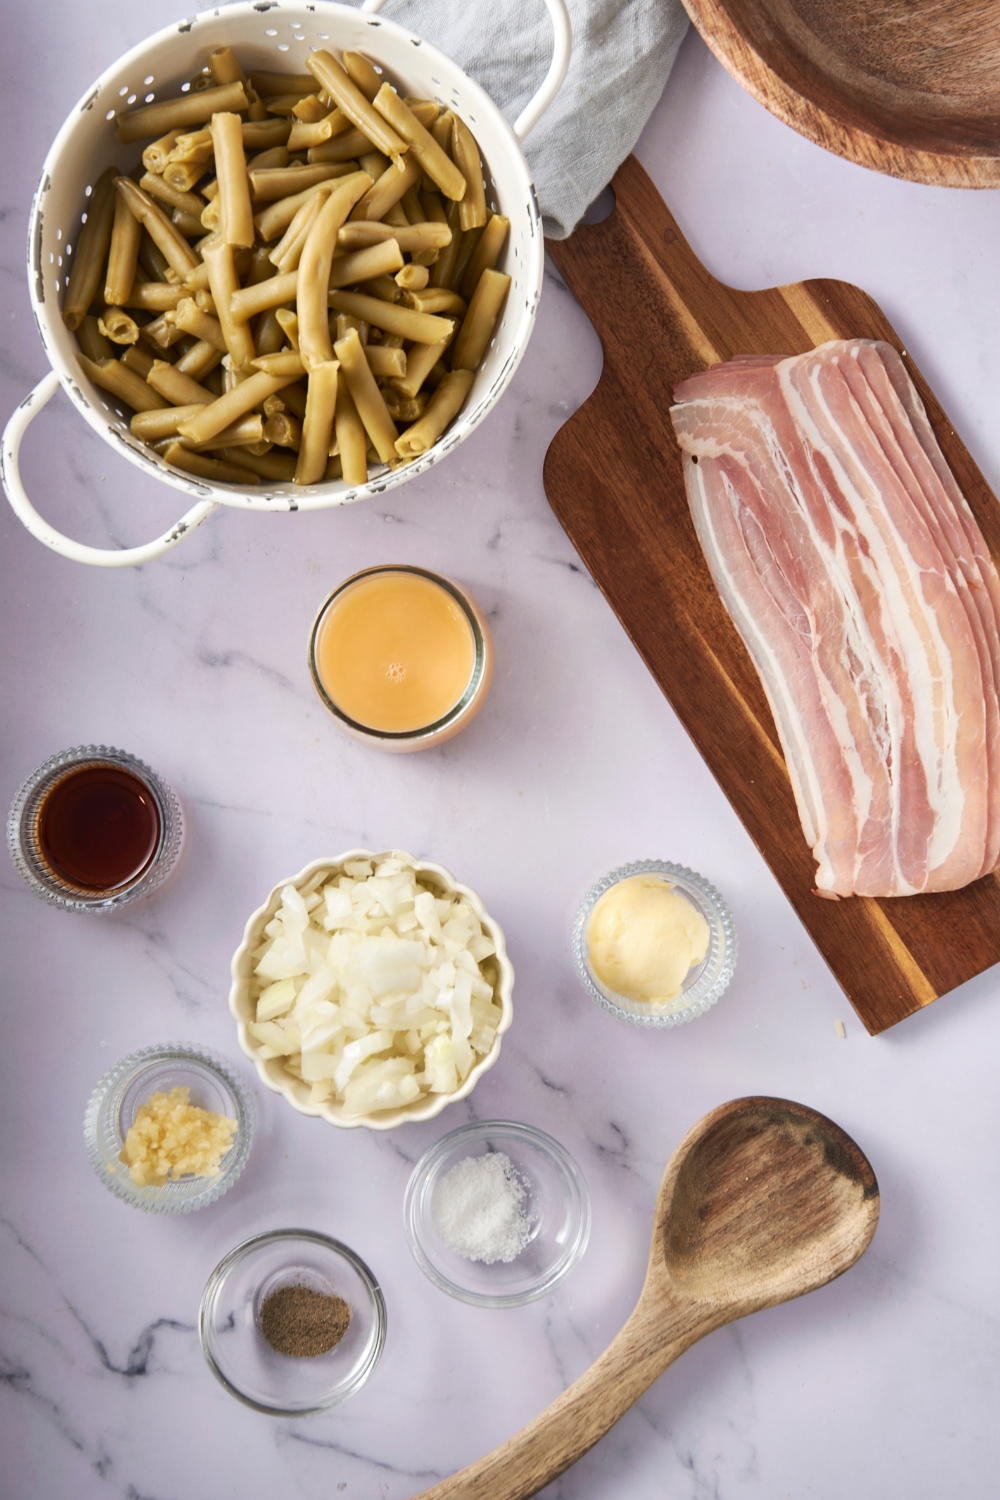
column 478, row 1209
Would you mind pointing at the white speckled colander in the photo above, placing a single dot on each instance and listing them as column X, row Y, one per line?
column 277, row 36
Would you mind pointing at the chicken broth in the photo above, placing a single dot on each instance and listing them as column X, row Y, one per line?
column 395, row 651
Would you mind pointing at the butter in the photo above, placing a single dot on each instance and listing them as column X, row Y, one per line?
column 643, row 938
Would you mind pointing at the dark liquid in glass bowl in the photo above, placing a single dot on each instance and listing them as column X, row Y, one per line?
column 98, row 828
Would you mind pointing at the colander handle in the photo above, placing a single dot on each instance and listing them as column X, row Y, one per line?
column 10, row 474
column 563, row 39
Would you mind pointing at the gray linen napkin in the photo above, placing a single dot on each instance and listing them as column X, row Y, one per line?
column 623, row 51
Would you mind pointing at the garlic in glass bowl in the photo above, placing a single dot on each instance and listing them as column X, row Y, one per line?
column 371, row 989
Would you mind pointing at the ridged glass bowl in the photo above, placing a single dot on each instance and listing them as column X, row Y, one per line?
column 556, row 1205
column 212, row 1084
column 25, row 850
column 705, row 982
column 238, row 1354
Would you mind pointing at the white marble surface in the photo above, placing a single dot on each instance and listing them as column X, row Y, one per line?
column 884, row 1383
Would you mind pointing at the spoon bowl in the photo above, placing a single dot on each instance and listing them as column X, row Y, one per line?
column 763, row 1200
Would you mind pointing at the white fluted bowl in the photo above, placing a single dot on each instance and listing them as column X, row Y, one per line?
column 272, row 1070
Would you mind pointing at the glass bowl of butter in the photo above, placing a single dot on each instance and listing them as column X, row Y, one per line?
column 654, row 943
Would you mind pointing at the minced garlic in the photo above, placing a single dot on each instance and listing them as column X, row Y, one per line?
column 172, row 1137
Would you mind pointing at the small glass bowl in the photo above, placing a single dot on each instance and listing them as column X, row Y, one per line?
column 705, row 982
column 457, row 717
column 557, row 1206
column 112, row 1110
column 23, row 842
column 234, row 1345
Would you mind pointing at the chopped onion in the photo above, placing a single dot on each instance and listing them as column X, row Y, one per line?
column 371, row 989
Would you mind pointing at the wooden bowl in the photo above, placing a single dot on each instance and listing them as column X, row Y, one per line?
column 905, row 88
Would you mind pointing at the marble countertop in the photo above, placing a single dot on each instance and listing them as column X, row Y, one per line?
column 884, row 1383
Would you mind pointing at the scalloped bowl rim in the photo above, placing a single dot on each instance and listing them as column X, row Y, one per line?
column 271, row 1071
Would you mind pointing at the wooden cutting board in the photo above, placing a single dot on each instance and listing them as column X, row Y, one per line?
column 613, row 477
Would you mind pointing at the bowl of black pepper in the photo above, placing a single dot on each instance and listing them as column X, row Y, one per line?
column 292, row 1322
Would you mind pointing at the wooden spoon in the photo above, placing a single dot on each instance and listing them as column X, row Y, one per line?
column 762, row 1201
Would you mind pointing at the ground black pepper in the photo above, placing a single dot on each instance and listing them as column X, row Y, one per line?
column 302, row 1323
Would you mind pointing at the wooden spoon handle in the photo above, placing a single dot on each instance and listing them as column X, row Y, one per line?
column 533, row 1457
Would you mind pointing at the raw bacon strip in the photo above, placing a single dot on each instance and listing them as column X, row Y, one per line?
column 973, row 560
column 755, row 523
column 914, row 409
column 861, row 586
column 957, row 536
column 927, row 630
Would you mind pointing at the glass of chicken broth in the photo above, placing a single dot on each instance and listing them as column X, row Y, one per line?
column 94, row 828
column 401, row 657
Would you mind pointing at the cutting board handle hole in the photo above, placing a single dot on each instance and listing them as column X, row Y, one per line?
column 602, row 207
